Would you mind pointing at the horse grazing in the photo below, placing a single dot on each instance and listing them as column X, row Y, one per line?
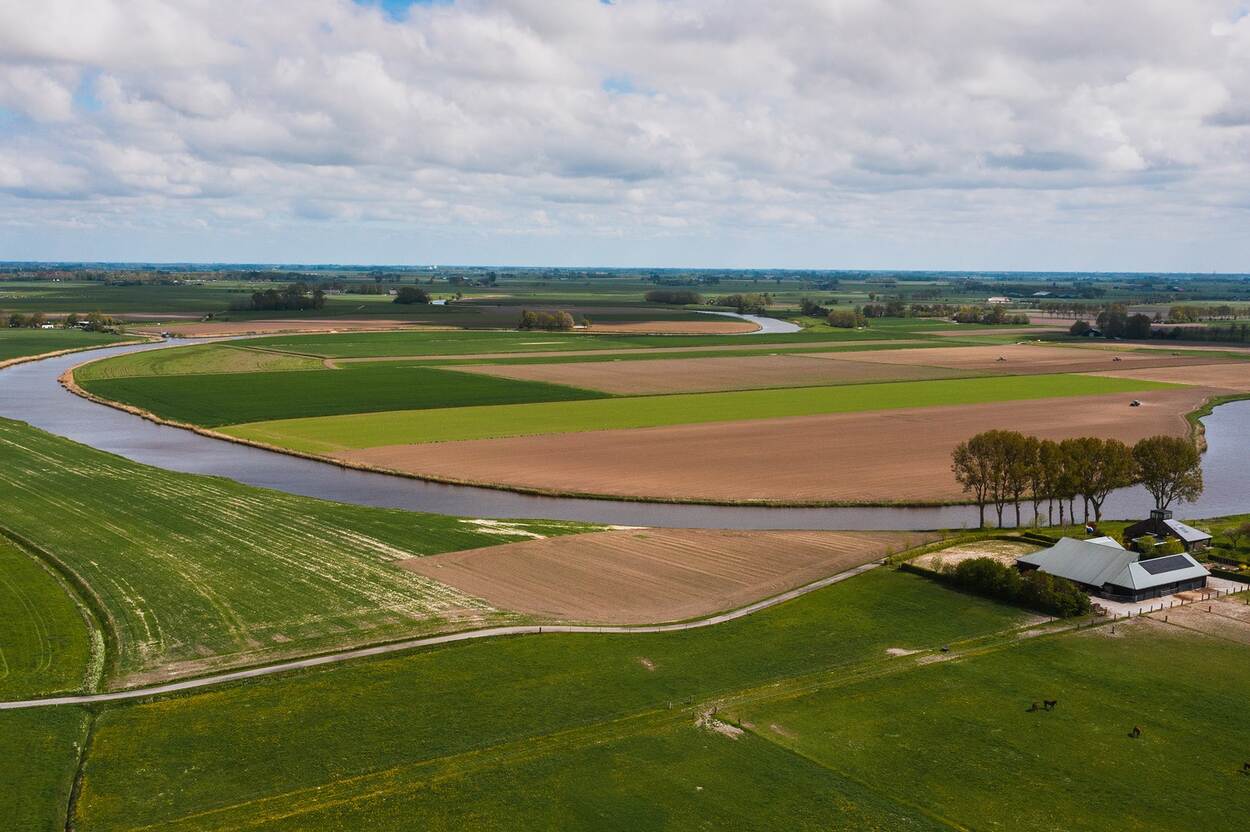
column 1135, row 733
column 1032, row 708
column 1050, row 703
column 1245, row 768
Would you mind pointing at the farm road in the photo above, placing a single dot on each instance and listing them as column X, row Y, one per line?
column 431, row 641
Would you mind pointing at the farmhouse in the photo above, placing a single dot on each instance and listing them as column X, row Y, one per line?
column 1108, row 570
column 1162, row 527
column 998, row 300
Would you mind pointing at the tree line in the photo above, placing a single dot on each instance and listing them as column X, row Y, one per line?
column 1002, row 468
column 295, row 296
column 555, row 320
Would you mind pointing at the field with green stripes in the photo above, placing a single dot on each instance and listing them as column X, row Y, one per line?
column 328, row 434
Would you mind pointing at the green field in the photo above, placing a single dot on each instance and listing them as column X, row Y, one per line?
column 592, row 732
column 379, row 741
column 956, row 737
column 200, row 572
column 223, row 399
column 20, row 343
column 336, row 433
column 194, row 360
column 38, row 757
column 45, row 643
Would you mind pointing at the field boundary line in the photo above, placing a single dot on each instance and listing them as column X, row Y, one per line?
column 434, row 641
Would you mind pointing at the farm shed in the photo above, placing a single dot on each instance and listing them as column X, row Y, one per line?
column 1162, row 526
column 1109, row 571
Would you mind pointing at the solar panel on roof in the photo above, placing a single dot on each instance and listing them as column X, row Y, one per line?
column 1170, row 563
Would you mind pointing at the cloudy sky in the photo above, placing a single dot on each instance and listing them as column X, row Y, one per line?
column 962, row 134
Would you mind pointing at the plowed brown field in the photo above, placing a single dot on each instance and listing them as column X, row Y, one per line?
column 700, row 375
column 875, row 457
column 1233, row 375
column 653, row 575
column 1018, row 359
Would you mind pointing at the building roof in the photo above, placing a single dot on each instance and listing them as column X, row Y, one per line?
column 1165, row 527
column 1186, row 533
column 1096, row 563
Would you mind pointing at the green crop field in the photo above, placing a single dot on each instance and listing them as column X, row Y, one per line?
column 379, row 741
column 199, row 572
column 194, row 360
column 215, row 399
column 20, row 343
column 334, row 433
column 38, row 758
column 45, row 643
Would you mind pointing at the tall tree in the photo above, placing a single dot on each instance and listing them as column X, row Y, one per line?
column 1079, row 469
column 972, row 465
column 1048, row 479
column 1019, row 459
column 1170, row 468
column 1113, row 467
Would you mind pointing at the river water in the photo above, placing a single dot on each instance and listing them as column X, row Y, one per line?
column 30, row 393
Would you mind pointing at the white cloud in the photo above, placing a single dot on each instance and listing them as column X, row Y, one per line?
column 646, row 124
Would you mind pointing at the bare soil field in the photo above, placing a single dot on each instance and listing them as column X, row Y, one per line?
column 1224, row 618
column 643, row 576
column 1003, row 551
column 1019, row 359
column 700, row 375
column 1231, row 375
column 894, row 456
column 713, row 327
column 203, row 329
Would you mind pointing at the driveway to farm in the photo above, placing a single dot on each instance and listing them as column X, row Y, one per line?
column 433, row 641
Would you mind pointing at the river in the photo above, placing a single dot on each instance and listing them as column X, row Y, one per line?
column 31, row 393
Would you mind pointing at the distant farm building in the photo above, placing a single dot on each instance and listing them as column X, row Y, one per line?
column 1104, row 568
column 998, row 300
column 1162, row 527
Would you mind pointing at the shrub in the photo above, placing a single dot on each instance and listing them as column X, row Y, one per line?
column 846, row 318
column 411, row 294
column 1036, row 590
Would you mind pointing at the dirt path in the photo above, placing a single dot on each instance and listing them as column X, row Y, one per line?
column 432, row 641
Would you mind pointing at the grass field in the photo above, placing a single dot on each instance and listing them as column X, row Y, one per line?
column 798, row 717
column 38, row 757
column 194, row 360
column 45, row 644
column 196, row 572
column 336, row 433
column 20, row 343
column 214, row 399
column 898, row 733
column 382, row 739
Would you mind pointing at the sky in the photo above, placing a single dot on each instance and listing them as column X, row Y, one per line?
column 963, row 134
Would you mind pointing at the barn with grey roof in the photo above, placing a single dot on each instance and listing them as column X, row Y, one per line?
column 1106, row 569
